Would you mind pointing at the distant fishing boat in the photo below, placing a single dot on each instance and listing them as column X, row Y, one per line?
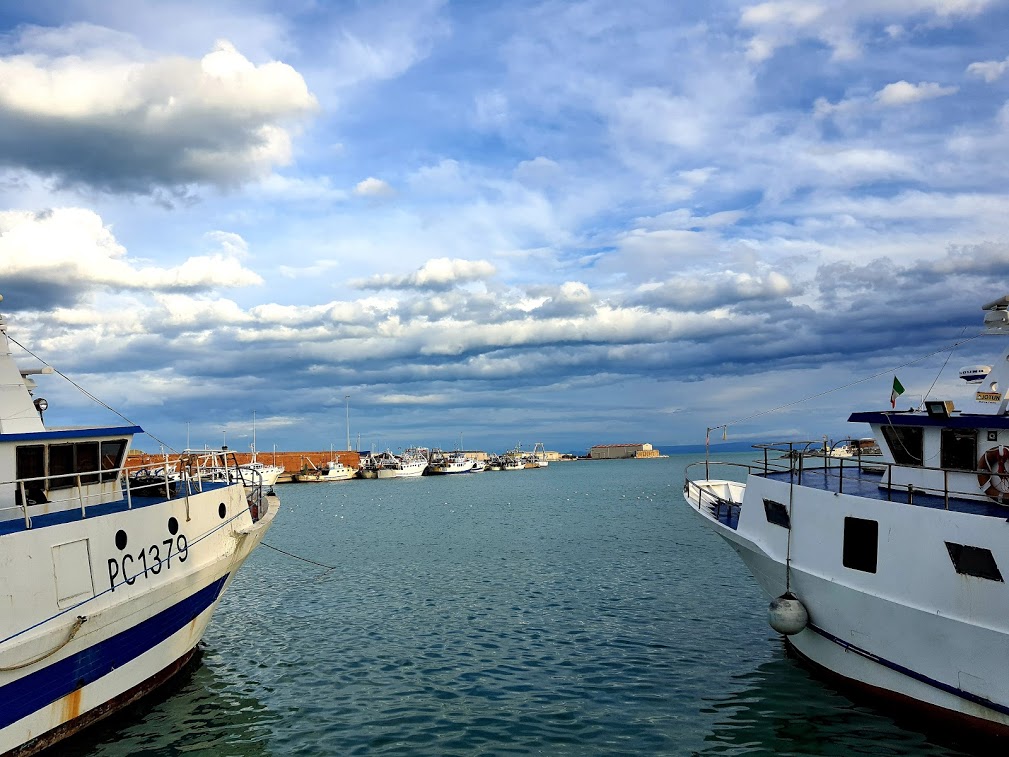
column 410, row 464
column 447, row 463
column 107, row 584
column 894, row 581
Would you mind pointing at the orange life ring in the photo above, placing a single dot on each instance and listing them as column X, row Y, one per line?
column 993, row 474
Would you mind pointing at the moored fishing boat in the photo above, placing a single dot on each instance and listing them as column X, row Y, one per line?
column 126, row 573
column 892, row 581
column 334, row 470
column 447, row 463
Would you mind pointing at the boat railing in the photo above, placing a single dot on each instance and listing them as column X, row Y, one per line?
column 806, row 459
column 64, row 492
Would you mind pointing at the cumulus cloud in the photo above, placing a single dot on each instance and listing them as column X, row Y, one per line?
column 372, row 187
column 437, row 274
column 989, row 70
column 136, row 124
column 904, row 93
column 60, row 256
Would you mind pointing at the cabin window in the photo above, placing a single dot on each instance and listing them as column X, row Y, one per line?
column 61, row 466
column 905, row 443
column 861, row 541
column 959, row 449
column 776, row 513
column 973, row 561
column 112, row 458
column 87, row 461
column 31, row 462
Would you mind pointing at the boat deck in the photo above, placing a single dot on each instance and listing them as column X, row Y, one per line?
column 860, row 482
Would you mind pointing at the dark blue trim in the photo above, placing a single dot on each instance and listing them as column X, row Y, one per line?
column 966, row 695
column 72, row 433
column 921, row 419
column 26, row 695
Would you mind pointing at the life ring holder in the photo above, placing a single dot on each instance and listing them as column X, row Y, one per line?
column 993, row 474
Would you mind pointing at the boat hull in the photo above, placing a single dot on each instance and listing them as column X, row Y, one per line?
column 143, row 616
column 929, row 637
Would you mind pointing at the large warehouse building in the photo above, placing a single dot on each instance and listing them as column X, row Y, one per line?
column 622, row 451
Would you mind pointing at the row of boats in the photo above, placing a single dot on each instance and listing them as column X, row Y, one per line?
column 417, row 461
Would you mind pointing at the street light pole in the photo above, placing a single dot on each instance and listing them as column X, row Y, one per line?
column 347, row 400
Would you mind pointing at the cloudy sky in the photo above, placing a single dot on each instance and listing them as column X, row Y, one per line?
column 567, row 222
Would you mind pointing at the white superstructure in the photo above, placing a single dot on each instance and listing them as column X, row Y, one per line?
column 895, row 581
column 106, row 582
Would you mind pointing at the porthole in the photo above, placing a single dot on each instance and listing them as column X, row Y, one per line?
column 222, row 511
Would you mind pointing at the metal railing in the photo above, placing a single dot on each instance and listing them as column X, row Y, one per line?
column 797, row 460
column 165, row 480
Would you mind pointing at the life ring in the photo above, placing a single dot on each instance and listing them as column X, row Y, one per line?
column 993, row 474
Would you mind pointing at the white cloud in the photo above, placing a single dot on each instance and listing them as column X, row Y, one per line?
column 904, row 93
column 989, row 70
column 440, row 273
column 137, row 122
column 72, row 248
column 372, row 187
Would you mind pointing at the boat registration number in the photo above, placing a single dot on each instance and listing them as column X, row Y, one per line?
column 147, row 561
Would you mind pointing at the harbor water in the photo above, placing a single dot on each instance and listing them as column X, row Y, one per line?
column 579, row 609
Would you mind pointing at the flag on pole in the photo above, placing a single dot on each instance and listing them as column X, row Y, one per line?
column 898, row 390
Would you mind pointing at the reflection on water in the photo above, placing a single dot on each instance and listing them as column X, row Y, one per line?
column 780, row 707
column 198, row 711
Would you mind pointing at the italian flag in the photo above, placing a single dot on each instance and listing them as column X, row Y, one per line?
column 898, row 390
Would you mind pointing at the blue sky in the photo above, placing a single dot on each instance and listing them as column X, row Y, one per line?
column 567, row 222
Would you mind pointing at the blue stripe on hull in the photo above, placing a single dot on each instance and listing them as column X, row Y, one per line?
column 43, row 687
column 965, row 695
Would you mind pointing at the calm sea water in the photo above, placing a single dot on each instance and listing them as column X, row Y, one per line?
column 574, row 610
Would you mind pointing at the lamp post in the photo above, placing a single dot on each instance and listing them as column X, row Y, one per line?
column 346, row 399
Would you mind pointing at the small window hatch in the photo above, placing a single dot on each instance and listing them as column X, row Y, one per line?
column 973, row 561
column 776, row 513
column 861, row 540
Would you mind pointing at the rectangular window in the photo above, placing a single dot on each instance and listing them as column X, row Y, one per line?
column 61, row 466
column 973, row 561
column 905, row 443
column 31, row 463
column 87, row 461
column 776, row 513
column 861, row 539
column 958, row 450
column 112, row 458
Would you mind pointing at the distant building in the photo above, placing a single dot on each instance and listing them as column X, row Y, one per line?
column 622, row 451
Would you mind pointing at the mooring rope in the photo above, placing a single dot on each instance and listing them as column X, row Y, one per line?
column 81, row 620
column 298, row 557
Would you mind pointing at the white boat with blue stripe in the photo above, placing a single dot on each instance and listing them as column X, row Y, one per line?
column 891, row 576
column 106, row 584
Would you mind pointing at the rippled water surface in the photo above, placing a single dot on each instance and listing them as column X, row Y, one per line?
column 579, row 609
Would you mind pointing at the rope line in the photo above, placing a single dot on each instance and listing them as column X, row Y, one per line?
column 298, row 557
column 88, row 394
column 81, row 620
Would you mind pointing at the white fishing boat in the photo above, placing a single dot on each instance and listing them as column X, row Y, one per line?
column 267, row 474
column 410, row 464
column 540, row 455
column 334, row 470
column 892, row 581
column 106, row 586
column 447, row 463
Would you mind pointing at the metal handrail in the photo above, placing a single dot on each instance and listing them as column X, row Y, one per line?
column 127, row 477
column 795, row 468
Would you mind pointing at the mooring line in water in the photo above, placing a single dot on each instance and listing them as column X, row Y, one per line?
column 298, row 557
